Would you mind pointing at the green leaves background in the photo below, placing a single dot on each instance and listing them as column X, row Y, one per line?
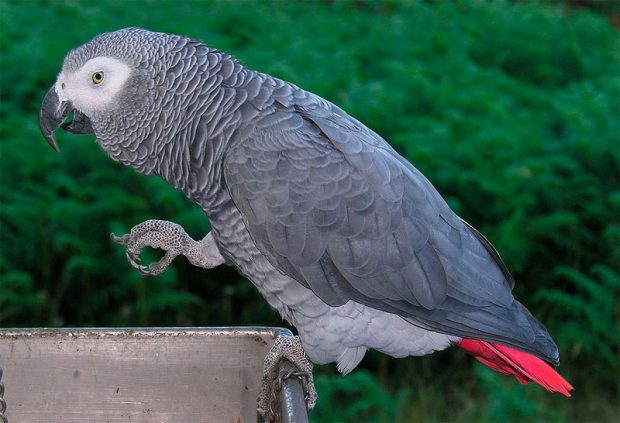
column 512, row 109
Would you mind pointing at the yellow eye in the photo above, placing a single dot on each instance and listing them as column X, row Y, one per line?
column 98, row 77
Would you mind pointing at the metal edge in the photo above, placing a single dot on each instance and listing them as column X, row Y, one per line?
column 273, row 332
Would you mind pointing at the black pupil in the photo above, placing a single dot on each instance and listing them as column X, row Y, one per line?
column 98, row 76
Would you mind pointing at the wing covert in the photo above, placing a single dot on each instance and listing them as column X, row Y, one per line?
column 338, row 213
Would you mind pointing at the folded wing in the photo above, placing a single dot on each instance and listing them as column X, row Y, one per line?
column 332, row 205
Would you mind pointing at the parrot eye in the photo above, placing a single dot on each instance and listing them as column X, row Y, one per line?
column 98, row 77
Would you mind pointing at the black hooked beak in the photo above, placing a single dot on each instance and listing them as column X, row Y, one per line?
column 52, row 115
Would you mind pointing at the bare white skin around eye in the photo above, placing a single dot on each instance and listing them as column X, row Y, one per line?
column 87, row 96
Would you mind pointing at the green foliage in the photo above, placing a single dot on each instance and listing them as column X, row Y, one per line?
column 513, row 402
column 511, row 109
column 358, row 397
column 591, row 313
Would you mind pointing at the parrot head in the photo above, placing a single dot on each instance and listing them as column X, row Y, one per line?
column 87, row 92
column 110, row 86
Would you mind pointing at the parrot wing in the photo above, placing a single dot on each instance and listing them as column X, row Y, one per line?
column 333, row 206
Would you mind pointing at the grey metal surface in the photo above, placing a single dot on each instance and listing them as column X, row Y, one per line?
column 3, row 418
column 292, row 397
column 180, row 375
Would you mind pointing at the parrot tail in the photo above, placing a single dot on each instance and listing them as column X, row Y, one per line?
column 525, row 367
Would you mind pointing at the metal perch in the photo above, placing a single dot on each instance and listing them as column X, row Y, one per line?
column 128, row 375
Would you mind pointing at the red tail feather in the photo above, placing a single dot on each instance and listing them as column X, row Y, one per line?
column 525, row 367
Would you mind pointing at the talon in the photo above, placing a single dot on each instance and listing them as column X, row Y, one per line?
column 120, row 239
column 135, row 265
column 132, row 256
column 133, row 260
column 151, row 270
column 156, row 268
column 145, row 270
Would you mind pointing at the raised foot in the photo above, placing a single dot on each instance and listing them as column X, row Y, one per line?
column 171, row 238
column 289, row 348
column 168, row 236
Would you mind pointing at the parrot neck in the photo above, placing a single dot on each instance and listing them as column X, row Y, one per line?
column 192, row 158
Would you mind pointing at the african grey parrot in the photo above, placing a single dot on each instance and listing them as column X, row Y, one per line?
column 347, row 240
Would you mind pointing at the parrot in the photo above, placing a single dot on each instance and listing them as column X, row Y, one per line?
column 341, row 235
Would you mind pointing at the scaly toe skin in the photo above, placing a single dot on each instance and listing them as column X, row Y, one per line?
column 288, row 347
column 168, row 236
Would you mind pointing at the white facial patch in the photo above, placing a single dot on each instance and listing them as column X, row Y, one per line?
column 95, row 86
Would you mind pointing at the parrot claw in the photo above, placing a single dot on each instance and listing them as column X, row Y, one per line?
column 171, row 238
column 162, row 234
column 134, row 260
column 289, row 348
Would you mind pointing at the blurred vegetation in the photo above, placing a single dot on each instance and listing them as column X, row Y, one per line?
column 511, row 108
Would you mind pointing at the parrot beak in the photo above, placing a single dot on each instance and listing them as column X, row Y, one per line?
column 54, row 112
column 51, row 115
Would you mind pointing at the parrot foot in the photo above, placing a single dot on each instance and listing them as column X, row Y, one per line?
column 289, row 348
column 171, row 238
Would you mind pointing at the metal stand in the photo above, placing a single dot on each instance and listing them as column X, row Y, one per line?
column 144, row 375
